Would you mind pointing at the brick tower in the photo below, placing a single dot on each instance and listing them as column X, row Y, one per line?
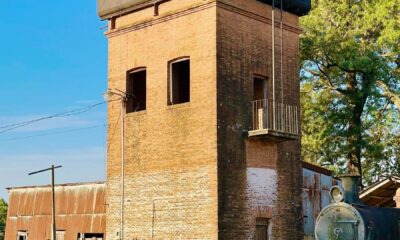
column 209, row 147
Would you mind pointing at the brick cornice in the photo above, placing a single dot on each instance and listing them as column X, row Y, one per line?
column 142, row 25
column 228, row 7
column 258, row 17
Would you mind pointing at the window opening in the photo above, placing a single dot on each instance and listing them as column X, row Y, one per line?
column 60, row 234
column 179, row 81
column 22, row 235
column 262, row 228
column 90, row 236
column 136, row 91
column 261, row 103
column 260, row 86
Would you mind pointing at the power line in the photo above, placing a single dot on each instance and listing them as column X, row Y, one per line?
column 68, row 113
column 56, row 133
column 77, row 111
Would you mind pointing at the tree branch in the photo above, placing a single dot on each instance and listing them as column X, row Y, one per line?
column 323, row 74
column 393, row 97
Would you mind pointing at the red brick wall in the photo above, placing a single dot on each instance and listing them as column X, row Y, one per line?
column 171, row 163
column 189, row 167
column 244, row 50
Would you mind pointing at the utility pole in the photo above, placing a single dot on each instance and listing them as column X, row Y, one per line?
column 123, row 97
column 123, row 112
column 53, row 200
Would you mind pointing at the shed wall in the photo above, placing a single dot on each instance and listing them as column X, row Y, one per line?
column 316, row 197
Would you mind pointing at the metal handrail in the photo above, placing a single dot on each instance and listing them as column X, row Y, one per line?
column 277, row 116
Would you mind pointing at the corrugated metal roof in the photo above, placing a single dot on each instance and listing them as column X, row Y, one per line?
column 57, row 185
column 381, row 194
column 80, row 208
column 316, row 168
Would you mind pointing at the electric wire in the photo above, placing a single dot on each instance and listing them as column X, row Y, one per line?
column 65, row 114
column 56, row 133
column 10, row 127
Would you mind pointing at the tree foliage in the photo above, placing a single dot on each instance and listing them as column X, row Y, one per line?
column 350, row 86
column 3, row 217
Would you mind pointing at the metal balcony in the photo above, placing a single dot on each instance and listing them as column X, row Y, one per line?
column 275, row 120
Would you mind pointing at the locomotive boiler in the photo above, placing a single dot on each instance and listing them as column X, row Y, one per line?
column 348, row 219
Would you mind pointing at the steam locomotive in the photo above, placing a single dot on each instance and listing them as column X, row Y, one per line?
column 348, row 219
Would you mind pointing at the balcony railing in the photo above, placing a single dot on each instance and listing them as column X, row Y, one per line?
column 275, row 119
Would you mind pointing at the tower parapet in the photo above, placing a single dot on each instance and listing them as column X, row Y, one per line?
column 108, row 9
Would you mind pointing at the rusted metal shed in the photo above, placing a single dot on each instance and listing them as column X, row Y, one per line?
column 80, row 210
column 317, row 182
column 381, row 194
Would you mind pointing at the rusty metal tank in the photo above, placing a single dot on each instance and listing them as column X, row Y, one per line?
column 348, row 219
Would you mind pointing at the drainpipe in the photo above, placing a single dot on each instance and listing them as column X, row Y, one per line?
column 123, row 111
column 273, row 66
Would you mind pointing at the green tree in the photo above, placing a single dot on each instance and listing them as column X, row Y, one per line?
column 3, row 217
column 350, row 84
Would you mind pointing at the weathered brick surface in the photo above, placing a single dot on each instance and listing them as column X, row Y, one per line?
column 244, row 50
column 171, row 170
column 191, row 171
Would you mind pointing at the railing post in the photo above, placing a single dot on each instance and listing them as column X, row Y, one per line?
column 294, row 120
column 267, row 120
column 290, row 126
column 297, row 121
column 253, row 112
column 287, row 108
column 293, row 116
column 260, row 118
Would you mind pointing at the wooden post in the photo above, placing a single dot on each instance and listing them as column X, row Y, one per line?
column 53, row 205
column 53, row 199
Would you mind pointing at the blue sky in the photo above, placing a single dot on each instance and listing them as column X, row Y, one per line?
column 53, row 59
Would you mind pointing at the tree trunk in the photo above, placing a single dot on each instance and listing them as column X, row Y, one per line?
column 358, row 99
column 354, row 138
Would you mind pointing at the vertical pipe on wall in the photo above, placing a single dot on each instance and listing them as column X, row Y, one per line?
column 123, row 111
column 281, row 50
column 273, row 65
